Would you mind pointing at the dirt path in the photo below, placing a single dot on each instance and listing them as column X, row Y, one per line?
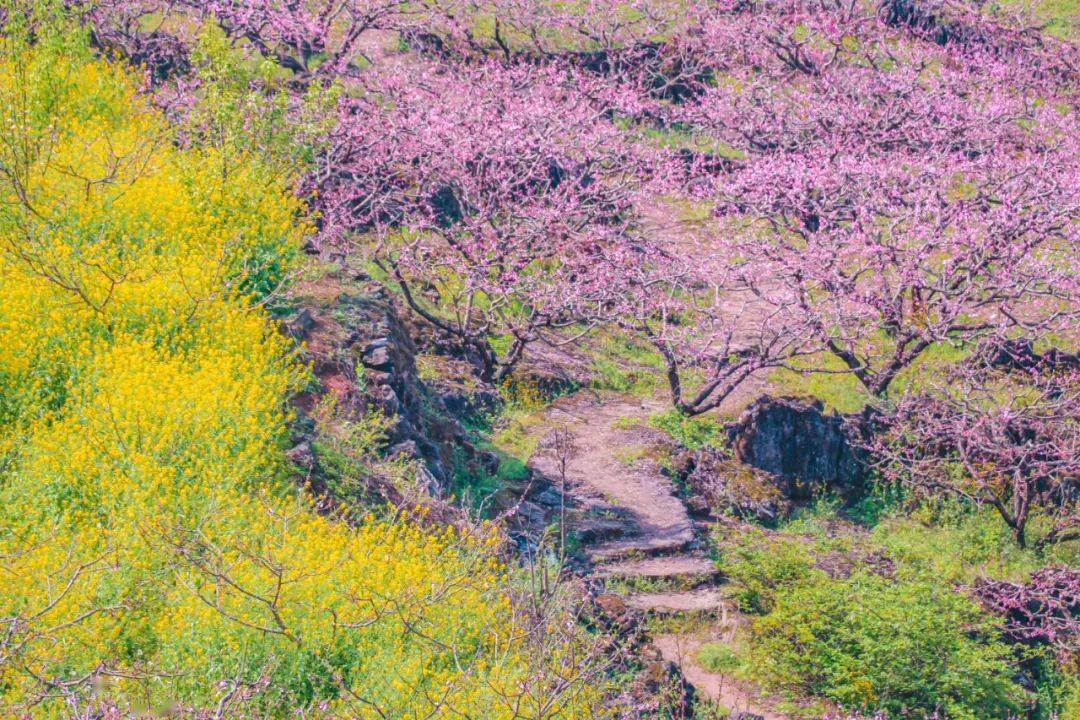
column 607, row 471
column 609, row 474
column 722, row 689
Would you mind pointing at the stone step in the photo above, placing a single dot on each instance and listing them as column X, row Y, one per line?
column 635, row 546
column 661, row 566
column 700, row 600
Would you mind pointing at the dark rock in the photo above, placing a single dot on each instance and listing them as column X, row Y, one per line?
column 595, row 529
column 362, row 351
column 613, row 606
column 406, row 448
column 663, row 678
column 387, row 399
column 377, row 357
column 300, row 324
column 532, row 513
column 1020, row 354
column 489, row 460
column 302, row 456
column 378, row 377
column 550, row 496
column 796, row 440
column 720, row 485
column 743, row 715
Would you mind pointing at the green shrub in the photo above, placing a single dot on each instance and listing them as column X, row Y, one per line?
column 760, row 565
column 872, row 643
column 954, row 541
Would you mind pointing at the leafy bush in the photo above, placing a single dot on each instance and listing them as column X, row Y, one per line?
column 761, row 566
column 911, row 648
column 693, row 433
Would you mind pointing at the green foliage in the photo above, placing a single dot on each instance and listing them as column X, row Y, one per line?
column 705, row 709
column 841, row 391
column 956, row 541
column 350, row 451
column 881, row 501
column 692, row 433
column 622, row 364
column 762, row 566
column 719, row 657
column 1069, row 696
column 470, row 483
column 242, row 103
column 1057, row 688
column 907, row 647
column 911, row 639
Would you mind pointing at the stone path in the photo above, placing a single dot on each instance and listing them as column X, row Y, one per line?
column 723, row 689
column 601, row 476
column 652, row 541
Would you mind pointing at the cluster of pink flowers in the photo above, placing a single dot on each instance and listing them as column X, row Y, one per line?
column 1046, row 609
column 1004, row 437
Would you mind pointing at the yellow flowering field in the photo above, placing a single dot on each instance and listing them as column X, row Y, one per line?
column 154, row 554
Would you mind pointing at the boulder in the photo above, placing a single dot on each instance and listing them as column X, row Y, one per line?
column 302, row 456
column 796, row 440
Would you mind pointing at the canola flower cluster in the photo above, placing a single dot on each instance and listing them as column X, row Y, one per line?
column 153, row 553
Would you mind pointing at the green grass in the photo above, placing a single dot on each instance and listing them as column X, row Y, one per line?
column 677, row 137
column 957, row 543
column 842, row 391
column 630, row 454
column 632, row 584
column 719, row 657
column 692, row 433
column 626, row 365
column 1062, row 17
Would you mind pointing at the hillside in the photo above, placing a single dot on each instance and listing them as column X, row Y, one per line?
column 521, row 359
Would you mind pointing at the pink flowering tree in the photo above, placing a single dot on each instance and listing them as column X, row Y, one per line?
column 1046, row 609
column 322, row 39
column 900, row 192
column 499, row 196
column 879, row 189
column 1005, row 437
column 501, row 201
column 886, row 178
column 714, row 324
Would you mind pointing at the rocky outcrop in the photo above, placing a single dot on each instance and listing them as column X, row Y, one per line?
column 799, row 443
column 658, row 688
column 1020, row 355
column 716, row 484
column 364, row 361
